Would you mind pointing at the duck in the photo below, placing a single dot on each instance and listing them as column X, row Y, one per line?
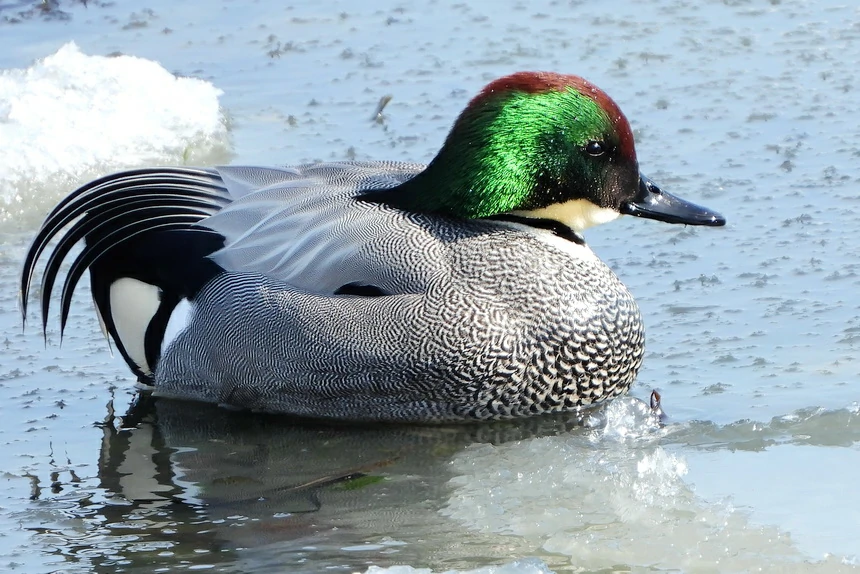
column 378, row 291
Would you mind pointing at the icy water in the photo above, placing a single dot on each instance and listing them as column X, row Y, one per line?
column 748, row 107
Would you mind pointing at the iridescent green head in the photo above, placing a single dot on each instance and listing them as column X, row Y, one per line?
column 539, row 145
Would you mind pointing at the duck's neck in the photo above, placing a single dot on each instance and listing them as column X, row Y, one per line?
column 456, row 190
column 486, row 167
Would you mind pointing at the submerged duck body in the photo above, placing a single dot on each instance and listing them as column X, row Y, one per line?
column 380, row 291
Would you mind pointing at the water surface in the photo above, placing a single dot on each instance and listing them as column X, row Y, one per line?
column 748, row 107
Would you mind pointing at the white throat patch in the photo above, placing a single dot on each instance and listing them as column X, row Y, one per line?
column 578, row 214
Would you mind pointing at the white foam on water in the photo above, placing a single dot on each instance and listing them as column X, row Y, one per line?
column 605, row 500
column 71, row 117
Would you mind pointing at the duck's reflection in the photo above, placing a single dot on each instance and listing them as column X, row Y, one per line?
column 188, row 483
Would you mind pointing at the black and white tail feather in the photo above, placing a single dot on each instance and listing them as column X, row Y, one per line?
column 144, row 250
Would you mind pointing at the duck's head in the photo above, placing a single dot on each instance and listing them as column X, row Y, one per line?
column 543, row 146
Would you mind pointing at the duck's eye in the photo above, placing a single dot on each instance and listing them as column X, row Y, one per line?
column 595, row 148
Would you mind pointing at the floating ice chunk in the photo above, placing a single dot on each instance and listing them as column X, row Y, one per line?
column 604, row 502
column 71, row 117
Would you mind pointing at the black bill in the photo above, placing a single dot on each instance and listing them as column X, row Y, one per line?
column 654, row 203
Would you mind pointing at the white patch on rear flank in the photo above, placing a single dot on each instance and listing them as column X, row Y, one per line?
column 133, row 304
column 578, row 214
column 179, row 319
